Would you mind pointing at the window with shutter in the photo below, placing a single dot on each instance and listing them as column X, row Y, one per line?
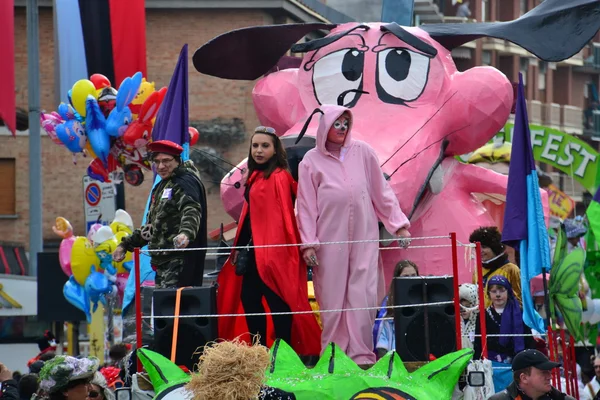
column 8, row 197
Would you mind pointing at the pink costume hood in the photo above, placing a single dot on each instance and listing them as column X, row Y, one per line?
column 330, row 114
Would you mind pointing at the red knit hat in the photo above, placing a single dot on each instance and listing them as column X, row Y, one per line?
column 165, row 146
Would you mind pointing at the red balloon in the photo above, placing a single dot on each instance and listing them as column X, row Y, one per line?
column 97, row 171
column 99, row 81
column 194, row 135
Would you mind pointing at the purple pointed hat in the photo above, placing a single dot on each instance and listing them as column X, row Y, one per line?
column 172, row 119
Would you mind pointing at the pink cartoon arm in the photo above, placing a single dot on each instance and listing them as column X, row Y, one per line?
column 476, row 179
column 384, row 200
column 308, row 212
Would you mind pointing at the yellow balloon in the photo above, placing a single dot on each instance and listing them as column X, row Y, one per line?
column 145, row 90
column 83, row 257
column 79, row 93
column 128, row 256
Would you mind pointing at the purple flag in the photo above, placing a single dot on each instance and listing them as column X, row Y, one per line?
column 524, row 227
column 172, row 119
column 521, row 165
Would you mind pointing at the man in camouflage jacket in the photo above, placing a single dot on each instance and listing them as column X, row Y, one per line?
column 176, row 219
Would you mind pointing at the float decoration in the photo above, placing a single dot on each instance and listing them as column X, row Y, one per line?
column 335, row 376
column 95, row 120
column 417, row 115
column 563, row 288
column 87, row 260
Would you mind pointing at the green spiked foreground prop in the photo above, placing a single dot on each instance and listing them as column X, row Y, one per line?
column 336, row 376
column 167, row 378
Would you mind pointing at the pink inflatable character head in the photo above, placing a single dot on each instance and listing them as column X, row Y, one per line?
column 408, row 100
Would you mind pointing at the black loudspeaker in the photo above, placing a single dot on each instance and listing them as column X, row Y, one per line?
column 51, row 302
column 192, row 332
column 424, row 330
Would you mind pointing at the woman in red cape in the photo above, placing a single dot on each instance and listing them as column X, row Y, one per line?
column 274, row 277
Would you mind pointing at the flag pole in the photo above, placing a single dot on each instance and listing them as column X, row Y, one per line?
column 36, row 241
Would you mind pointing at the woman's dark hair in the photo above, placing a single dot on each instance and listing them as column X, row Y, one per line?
column 279, row 159
column 118, row 352
column 397, row 271
column 28, row 385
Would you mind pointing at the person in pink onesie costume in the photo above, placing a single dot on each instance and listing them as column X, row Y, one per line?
column 342, row 194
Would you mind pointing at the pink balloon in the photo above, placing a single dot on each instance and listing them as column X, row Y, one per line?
column 64, row 255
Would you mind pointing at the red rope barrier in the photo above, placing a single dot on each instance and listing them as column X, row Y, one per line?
column 565, row 354
column 138, row 305
column 457, row 316
column 551, row 353
column 574, row 366
column 481, row 294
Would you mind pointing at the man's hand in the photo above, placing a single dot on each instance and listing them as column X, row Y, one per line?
column 234, row 257
column 181, row 241
column 404, row 235
column 119, row 254
column 5, row 373
column 310, row 257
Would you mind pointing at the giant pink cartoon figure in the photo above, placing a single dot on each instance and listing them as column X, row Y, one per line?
column 409, row 103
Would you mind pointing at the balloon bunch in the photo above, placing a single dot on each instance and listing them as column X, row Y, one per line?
column 111, row 126
column 93, row 275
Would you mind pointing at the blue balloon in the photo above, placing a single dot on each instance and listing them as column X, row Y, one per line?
column 95, row 125
column 72, row 134
column 77, row 296
column 97, row 286
column 120, row 116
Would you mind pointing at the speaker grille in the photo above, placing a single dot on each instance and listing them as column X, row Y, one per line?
column 193, row 333
column 409, row 322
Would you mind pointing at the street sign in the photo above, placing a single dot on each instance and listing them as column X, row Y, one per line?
column 99, row 202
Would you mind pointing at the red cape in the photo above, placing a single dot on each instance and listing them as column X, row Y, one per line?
column 281, row 268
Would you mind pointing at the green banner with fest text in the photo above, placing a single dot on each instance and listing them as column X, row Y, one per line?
column 564, row 152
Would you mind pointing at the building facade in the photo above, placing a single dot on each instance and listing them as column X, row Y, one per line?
column 559, row 95
column 222, row 106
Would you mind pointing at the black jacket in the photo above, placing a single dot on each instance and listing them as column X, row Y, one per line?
column 511, row 393
column 9, row 390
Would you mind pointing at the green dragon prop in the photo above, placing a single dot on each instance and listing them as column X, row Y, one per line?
column 564, row 284
column 335, row 376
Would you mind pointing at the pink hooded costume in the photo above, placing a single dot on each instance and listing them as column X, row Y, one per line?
column 341, row 198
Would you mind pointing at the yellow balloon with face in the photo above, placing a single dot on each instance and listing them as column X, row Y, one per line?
column 146, row 89
column 83, row 256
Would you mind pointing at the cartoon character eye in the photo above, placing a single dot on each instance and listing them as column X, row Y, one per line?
column 401, row 75
column 338, row 77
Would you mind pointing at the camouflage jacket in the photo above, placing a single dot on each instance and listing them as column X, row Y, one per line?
column 172, row 211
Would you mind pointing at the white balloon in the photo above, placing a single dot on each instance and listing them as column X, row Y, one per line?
column 596, row 316
column 587, row 315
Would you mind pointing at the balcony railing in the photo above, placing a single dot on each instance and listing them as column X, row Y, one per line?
column 571, row 118
column 534, row 111
column 428, row 11
column 591, row 123
column 551, row 115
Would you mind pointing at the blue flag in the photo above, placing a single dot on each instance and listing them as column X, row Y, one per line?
column 524, row 227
